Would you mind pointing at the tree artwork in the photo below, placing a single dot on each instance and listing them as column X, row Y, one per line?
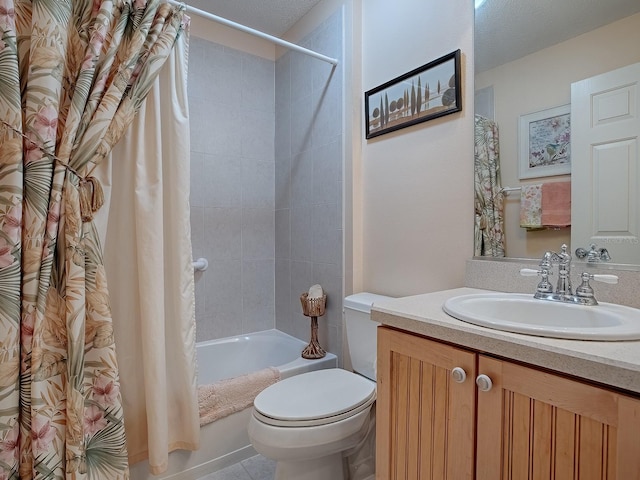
column 422, row 94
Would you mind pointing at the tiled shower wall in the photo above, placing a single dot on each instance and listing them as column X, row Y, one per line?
column 308, row 183
column 266, row 186
column 231, row 103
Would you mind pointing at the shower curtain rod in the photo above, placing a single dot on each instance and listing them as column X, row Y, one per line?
column 257, row 33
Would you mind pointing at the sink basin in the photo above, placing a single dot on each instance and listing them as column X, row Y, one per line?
column 521, row 313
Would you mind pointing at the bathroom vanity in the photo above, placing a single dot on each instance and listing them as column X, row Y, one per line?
column 459, row 401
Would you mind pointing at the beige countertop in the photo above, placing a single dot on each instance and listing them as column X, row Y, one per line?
column 610, row 363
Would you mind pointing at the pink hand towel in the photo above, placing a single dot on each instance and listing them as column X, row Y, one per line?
column 556, row 204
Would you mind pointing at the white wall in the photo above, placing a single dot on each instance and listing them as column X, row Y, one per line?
column 232, row 112
column 231, row 37
column 309, row 158
column 350, row 69
column 417, row 183
column 543, row 80
column 408, row 195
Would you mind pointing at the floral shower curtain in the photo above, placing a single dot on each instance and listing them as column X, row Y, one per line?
column 489, row 218
column 72, row 75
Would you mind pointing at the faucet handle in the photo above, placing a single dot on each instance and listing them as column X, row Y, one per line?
column 581, row 252
column 530, row 272
column 611, row 279
column 564, row 252
column 604, row 255
column 585, row 291
column 547, row 259
column 594, row 254
column 544, row 286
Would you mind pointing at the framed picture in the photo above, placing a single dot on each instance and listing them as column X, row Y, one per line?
column 428, row 92
column 545, row 143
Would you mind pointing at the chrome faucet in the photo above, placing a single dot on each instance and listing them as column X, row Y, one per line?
column 544, row 287
column 564, row 272
column 584, row 293
column 594, row 254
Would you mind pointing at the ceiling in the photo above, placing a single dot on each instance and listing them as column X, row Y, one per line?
column 509, row 29
column 504, row 30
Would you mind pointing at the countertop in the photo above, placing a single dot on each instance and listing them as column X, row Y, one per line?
column 616, row 364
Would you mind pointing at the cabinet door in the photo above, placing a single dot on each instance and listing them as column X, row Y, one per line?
column 537, row 425
column 425, row 419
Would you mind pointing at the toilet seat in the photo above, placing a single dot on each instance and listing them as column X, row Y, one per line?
column 316, row 398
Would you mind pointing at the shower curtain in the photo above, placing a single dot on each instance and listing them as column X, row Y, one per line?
column 72, row 76
column 489, row 209
column 148, row 265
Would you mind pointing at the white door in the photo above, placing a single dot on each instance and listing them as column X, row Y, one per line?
column 605, row 168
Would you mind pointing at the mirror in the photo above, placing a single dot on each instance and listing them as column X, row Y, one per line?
column 527, row 56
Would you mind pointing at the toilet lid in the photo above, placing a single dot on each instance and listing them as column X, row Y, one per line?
column 314, row 396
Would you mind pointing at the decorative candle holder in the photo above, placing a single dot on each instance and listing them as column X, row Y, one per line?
column 314, row 308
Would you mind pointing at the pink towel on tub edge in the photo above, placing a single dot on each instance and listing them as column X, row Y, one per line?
column 556, row 204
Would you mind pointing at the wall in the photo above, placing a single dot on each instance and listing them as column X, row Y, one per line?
column 232, row 108
column 503, row 275
column 417, row 183
column 309, row 150
column 546, row 77
column 267, row 178
column 231, row 37
column 408, row 195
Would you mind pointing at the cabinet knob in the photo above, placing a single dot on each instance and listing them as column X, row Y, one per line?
column 484, row 383
column 459, row 375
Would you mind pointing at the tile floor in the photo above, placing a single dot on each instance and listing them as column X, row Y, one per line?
column 253, row 468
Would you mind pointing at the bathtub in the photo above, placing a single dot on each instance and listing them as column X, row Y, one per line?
column 225, row 441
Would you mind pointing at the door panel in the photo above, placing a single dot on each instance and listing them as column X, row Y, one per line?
column 605, row 171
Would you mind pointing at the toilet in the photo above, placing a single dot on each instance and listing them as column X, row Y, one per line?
column 321, row 425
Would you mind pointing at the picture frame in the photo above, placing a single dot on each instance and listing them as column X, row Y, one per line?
column 545, row 143
column 427, row 92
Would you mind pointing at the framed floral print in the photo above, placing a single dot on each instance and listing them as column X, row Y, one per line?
column 545, row 143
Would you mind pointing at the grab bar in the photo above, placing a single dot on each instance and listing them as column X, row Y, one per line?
column 200, row 265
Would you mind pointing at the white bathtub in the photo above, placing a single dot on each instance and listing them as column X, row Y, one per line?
column 225, row 441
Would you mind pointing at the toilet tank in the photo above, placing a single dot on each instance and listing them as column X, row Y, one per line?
column 362, row 331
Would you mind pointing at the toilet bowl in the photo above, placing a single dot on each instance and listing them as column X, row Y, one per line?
column 312, row 423
column 306, row 422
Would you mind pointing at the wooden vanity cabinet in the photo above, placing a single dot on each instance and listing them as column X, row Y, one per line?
column 425, row 421
column 531, row 424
